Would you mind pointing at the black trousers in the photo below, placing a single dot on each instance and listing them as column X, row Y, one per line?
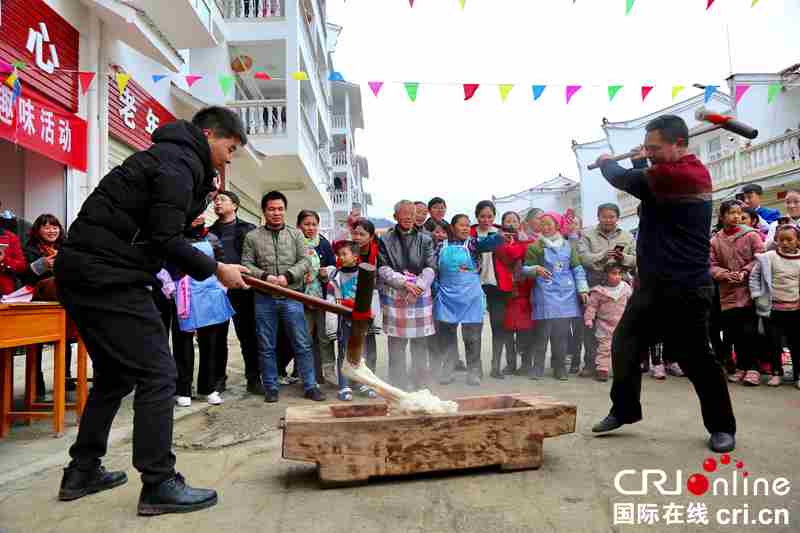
column 740, row 328
column 496, row 305
column 244, row 322
column 210, row 341
column 556, row 331
column 785, row 325
column 679, row 317
column 128, row 345
column 448, row 344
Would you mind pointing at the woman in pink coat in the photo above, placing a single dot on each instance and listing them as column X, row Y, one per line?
column 733, row 251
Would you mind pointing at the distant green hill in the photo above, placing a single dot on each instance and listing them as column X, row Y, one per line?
column 382, row 223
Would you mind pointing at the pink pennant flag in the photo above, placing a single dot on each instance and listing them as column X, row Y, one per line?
column 740, row 91
column 191, row 79
column 571, row 90
column 6, row 68
column 710, row 3
column 375, row 86
column 469, row 90
column 261, row 75
column 411, row 3
column 645, row 91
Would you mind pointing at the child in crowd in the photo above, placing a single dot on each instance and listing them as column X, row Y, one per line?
column 461, row 300
column 792, row 205
column 606, row 304
column 559, row 291
column 733, row 251
column 364, row 238
column 775, row 287
column 518, row 321
column 750, row 219
column 342, row 290
column 202, row 307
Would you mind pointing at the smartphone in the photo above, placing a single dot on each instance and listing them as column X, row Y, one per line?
column 509, row 229
column 619, row 248
column 784, row 220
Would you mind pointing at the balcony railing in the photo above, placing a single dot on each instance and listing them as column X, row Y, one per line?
column 339, row 159
column 339, row 122
column 341, row 200
column 262, row 117
column 254, row 9
column 753, row 162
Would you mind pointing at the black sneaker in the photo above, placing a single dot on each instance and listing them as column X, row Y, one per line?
column 174, row 496
column 255, row 387
column 78, row 483
column 271, row 396
column 315, row 394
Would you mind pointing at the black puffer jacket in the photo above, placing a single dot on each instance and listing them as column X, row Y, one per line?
column 413, row 252
column 136, row 216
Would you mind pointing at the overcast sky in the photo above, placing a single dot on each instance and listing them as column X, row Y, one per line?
column 468, row 151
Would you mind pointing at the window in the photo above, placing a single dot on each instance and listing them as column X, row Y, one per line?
column 714, row 147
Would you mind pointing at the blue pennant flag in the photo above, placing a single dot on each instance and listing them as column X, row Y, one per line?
column 335, row 76
column 158, row 77
column 710, row 90
column 537, row 91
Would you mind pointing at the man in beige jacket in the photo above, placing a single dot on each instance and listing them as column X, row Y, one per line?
column 599, row 245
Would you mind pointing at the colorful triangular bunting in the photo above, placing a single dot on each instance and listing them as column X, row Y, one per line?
column 469, row 90
column 537, row 91
column 676, row 90
column 300, row 75
column 710, row 91
column 411, row 3
column 85, row 81
column 741, row 90
column 191, row 79
column 158, row 77
column 646, row 90
column 571, row 90
column 774, row 89
column 6, row 68
column 754, row 3
column 261, row 75
column 375, row 87
column 411, row 89
column 335, row 76
column 505, row 88
column 462, row 3
column 226, row 83
column 122, row 81
column 710, row 3
column 629, row 6
column 612, row 91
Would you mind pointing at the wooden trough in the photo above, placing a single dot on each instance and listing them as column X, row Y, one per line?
column 352, row 442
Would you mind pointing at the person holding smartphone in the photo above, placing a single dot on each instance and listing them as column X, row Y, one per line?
column 598, row 246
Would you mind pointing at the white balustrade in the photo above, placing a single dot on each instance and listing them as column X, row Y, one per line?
column 341, row 200
column 254, row 9
column 262, row 117
column 339, row 122
column 758, row 161
column 339, row 159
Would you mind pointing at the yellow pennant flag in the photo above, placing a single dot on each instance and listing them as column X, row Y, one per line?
column 754, row 3
column 300, row 76
column 676, row 90
column 462, row 2
column 122, row 81
column 504, row 90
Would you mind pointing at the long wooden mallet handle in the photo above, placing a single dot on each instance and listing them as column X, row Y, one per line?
column 305, row 299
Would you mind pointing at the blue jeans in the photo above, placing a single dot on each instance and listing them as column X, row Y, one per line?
column 269, row 311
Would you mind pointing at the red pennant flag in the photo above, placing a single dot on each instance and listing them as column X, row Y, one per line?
column 411, row 3
column 469, row 90
column 645, row 91
column 85, row 79
column 191, row 79
column 710, row 3
column 262, row 76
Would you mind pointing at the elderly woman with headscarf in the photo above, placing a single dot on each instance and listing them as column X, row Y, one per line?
column 557, row 295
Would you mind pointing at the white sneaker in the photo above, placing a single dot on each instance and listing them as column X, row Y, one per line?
column 214, row 398
column 183, row 401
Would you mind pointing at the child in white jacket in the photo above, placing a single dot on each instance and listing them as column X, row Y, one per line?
column 775, row 288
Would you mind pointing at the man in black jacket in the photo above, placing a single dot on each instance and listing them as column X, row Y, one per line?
column 231, row 231
column 129, row 225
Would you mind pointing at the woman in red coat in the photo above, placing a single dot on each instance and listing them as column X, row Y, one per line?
column 517, row 321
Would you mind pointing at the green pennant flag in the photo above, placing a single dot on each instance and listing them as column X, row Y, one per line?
column 612, row 91
column 774, row 89
column 629, row 6
column 226, row 84
column 411, row 89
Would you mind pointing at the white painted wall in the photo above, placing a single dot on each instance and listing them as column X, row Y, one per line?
column 44, row 187
column 771, row 120
column 594, row 190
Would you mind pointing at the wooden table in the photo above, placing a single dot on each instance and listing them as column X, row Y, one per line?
column 24, row 325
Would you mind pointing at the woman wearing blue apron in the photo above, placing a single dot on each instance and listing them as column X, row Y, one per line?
column 460, row 299
column 203, row 308
column 560, row 289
